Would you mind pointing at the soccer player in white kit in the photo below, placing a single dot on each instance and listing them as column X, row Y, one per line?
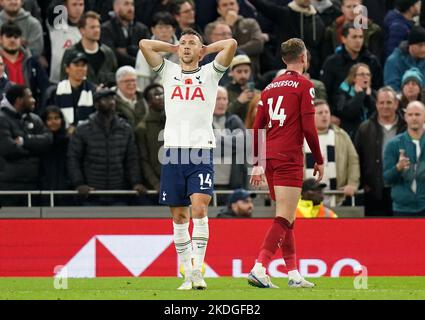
column 189, row 94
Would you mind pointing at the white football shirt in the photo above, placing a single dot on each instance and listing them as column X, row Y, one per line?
column 189, row 99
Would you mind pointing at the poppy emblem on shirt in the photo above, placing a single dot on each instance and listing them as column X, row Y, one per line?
column 188, row 81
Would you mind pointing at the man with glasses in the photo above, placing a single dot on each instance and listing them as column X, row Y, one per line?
column 130, row 104
column 184, row 13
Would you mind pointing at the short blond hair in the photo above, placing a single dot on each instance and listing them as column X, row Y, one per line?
column 292, row 49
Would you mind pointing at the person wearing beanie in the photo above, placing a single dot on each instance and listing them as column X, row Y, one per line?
column 411, row 87
column 398, row 23
column 409, row 54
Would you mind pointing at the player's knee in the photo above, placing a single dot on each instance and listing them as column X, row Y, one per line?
column 180, row 217
column 199, row 211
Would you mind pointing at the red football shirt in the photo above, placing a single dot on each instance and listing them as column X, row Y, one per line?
column 15, row 70
column 286, row 111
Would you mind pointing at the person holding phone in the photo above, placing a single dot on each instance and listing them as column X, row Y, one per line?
column 356, row 98
column 242, row 89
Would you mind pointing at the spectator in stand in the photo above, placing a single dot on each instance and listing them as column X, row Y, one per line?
column 398, row 22
column 102, row 7
column 410, row 54
column 242, row 89
column 29, row 5
column 356, row 99
column 102, row 63
column 216, row 31
column 74, row 95
column 184, row 13
column 163, row 29
column 239, row 205
column 328, row 10
column 129, row 101
column 342, row 171
column 122, row 33
column 246, row 31
column 103, row 155
column 404, row 165
column 298, row 19
column 23, row 138
column 370, row 141
column 65, row 36
column 229, row 174
column 149, row 135
column 32, row 32
column 21, row 67
column 53, row 169
column 252, row 111
column 373, row 34
column 411, row 88
column 311, row 204
column 336, row 67
column 4, row 81
column 147, row 9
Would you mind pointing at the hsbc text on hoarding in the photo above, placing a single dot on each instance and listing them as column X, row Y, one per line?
column 144, row 247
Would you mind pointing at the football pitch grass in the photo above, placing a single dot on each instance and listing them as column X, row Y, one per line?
column 379, row 288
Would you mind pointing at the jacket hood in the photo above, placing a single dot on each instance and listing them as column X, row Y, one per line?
column 5, row 104
column 394, row 16
column 309, row 11
column 22, row 15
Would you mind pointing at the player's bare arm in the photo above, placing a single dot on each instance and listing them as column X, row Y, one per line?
column 226, row 51
column 151, row 49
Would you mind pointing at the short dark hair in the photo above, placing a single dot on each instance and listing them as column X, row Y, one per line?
column 176, row 5
column 88, row 15
column 163, row 17
column 190, row 31
column 11, row 29
column 149, row 88
column 14, row 92
column 347, row 27
column 292, row 49
column 52, row 109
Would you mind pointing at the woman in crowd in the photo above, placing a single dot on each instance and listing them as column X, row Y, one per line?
column 355, row 99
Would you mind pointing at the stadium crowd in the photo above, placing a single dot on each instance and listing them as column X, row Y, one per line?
column 82, row 110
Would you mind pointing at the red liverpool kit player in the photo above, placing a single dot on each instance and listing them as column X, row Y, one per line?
column 286, row 111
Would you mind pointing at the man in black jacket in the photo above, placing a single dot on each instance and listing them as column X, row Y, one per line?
column 298, row 19
column 336, row 67
column 370, row 141
column 122, row 33
column 102, row 61
column 102, row 154
column 23, row 137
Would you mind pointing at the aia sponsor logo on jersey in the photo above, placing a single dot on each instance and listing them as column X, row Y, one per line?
column 188, row 92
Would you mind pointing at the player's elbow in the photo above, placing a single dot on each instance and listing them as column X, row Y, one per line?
column 143, row 43
column 233, row 43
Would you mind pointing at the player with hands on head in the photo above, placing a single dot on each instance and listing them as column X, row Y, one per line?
column 189, row 94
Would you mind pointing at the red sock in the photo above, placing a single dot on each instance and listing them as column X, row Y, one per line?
column 274, row 237
column 288, row 250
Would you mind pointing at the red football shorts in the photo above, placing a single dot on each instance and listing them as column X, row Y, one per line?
column 285, row 172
